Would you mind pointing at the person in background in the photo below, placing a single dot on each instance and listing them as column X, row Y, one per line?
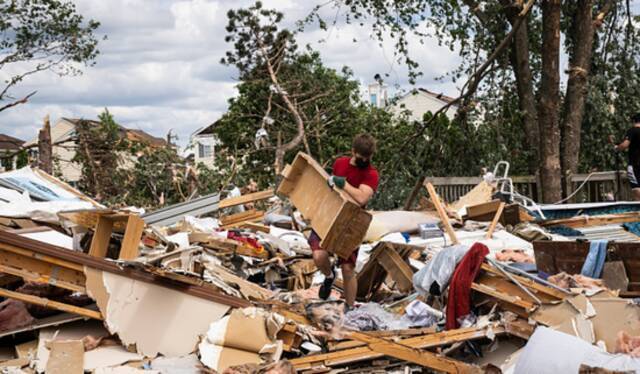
column 631, row 143
column 356, row 176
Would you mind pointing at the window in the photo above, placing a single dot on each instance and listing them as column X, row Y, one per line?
column 374, row 99
column 204, row 150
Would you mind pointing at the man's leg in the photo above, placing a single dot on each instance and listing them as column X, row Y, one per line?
column 322, row 261
column 350, row 283
column 636, row 194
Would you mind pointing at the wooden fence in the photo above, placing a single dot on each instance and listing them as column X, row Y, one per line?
column 598, row 187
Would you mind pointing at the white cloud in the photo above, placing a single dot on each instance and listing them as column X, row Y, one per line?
column 159, row 67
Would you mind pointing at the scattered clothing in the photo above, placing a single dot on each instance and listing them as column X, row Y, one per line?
column 434, row 277
column 514, row 255
column 459, row 303
column 373, row 317
column 594, row 263
column 421, row 314
column 566, row 281
column 530, row 232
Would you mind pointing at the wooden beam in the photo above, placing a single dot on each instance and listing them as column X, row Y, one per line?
column 397, row 268
column 244, row 199
column 101, row 237
column 495, row 221
column 50, row 304
column 366, row 353
column 424, row 358
column 37, row 270
column 241, row 217
column 441, row 212
column 132, row 235
column 414, row 193
column 586, row 221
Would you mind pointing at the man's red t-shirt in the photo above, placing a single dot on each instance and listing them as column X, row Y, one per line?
column 355, row 176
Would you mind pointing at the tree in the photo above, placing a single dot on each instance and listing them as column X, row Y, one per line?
column 41, row 35
column 261, row 49
column 479, row 28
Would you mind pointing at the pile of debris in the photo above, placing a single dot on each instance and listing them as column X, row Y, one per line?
column 230, row 286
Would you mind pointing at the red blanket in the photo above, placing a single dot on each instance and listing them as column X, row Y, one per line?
column 459, row 303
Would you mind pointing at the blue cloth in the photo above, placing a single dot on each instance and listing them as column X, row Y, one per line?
column 594, row 262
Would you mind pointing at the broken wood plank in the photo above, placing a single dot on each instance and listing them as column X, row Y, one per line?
column 50, row 304
column 256, row 227
column 101, row 237
column 494, row 223
column 442, row 213
column 397, row 268
column 422, row 342
column 132, row 234
column 423, row 358
column 586, row 221
column 64, row 258
column 41, row 271
column 241, row 217
column 244, row 199
column 480, row 211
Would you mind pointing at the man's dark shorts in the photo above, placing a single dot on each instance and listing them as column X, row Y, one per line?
column 633, row 174
column 314, row 243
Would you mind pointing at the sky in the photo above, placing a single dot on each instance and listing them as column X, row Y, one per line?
column 159, row 68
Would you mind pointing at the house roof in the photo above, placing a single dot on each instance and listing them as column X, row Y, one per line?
column 10, row 143
column 439, row 96
column 206, row 130
column 131, row 134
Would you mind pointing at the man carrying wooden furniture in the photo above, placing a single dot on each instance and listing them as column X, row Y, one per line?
column 355, row 175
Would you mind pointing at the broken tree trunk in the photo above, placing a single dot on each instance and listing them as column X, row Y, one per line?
column 45, row 162
column 524, row 80
column 548, row 117
column 575, row 98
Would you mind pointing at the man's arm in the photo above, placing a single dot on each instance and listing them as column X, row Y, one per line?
column 361, row 195
column 622, row 146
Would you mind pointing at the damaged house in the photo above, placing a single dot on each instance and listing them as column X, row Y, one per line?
column 64, row 145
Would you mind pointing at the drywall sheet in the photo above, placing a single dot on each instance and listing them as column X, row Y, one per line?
column 154, row 318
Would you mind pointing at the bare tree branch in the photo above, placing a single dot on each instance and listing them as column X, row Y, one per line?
column 18, row 102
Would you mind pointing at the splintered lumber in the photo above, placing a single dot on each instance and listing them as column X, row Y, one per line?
column 238, row 219
column 484, row 211
column 50, row 304
column 495, row 285
column 245, row 199
column 105, row 225
column 335, row 216
column 64, row 268
column 441, row 212
column 423, row 358
column 386, row 258
column 586, row 221
column 364, row 353
column 494, row 223
column 481, row 193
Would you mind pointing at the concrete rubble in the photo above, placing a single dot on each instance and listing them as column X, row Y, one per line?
column 228, row 285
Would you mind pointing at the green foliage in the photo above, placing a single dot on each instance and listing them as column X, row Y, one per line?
column 38, row 35
column 99, row 152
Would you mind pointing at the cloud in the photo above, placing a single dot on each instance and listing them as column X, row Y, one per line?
column 159, row 70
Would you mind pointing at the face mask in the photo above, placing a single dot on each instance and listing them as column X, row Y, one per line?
column 361, row 164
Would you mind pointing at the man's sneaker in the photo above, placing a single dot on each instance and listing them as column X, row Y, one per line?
column 325, row 289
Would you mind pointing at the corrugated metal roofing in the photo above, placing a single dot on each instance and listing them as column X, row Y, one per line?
column 609, row 232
